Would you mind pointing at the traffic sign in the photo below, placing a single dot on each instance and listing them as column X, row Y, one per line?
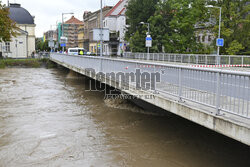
column 51, row 44
column 220, row 42
column 63, row 44
column 148, row 41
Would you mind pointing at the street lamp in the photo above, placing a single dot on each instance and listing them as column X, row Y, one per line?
column 62, row 25
column 148, row 27
column 148, row 33
column 218, row 49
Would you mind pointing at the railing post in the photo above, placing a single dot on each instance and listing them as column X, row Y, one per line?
column 197, row 59
column 218, row 92
column 180, row 84
column 205, row 59
column 242, row 61
column 229, row 60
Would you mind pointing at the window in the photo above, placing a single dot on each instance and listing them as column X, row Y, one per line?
column 199, row 38
column 203, row 38
column 7, row 47
column 209, row 38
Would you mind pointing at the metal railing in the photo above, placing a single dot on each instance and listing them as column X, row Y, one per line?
column 190, row 58
column 224, row 91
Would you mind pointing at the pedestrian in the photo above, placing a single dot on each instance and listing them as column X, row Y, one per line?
column 81, row 52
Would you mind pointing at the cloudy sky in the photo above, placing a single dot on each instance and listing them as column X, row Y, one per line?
column 48, row 12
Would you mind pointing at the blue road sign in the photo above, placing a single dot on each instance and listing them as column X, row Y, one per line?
column 63, row 44
column 149, row 39
column 220, row 42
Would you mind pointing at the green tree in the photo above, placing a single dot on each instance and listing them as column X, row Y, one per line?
column 138, row 11
column 7, row 26
column 235, row 25
column 173, row 25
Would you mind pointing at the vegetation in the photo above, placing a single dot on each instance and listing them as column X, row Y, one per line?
column 41, row 45
column 7, row 26
column 32, row 63
column 173, row 25
column 235, row 26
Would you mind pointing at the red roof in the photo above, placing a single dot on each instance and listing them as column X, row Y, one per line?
column 110, row 12
column 73, row 20
column 121, row 11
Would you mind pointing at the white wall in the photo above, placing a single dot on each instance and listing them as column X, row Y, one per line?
column 110, row 23
column 121, row 23
column 31, row 37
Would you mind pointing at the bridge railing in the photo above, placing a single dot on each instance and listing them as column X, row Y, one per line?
column 223, row 91
column 191, row 58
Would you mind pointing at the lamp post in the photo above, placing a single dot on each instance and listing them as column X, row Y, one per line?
column 218, row 47
column 62, row 25
column 148, row 34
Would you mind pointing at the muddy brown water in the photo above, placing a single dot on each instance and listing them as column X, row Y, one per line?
column 48, row 119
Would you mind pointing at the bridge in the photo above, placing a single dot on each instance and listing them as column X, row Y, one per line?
column 214, row 98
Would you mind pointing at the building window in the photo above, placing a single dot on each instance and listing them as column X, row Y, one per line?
column 199, row 38
column 203, row 38
column 209, row 38
column 7, row 47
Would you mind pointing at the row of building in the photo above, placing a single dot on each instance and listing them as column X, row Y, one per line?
column 80, row 33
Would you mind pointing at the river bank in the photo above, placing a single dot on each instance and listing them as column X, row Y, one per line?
column 30, row 63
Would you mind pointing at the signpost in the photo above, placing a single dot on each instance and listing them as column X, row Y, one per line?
column 63, row 42
column 148, row 43
column 51, row 44
column 100, row 34
column 220, row 42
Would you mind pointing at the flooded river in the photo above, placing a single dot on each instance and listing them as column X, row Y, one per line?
column 48, row 119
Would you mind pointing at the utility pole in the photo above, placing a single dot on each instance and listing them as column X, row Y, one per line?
column 101, row 26
column 218, row 47
column 63, row 27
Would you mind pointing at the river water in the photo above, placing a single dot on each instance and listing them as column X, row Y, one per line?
column 48, row 119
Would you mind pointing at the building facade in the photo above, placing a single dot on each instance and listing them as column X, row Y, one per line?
column 115, row 21
column 81, row 36
column 23, row 45
column 91, row 21
column 70, row 30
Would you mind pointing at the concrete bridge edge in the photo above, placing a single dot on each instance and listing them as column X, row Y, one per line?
column 202, row 117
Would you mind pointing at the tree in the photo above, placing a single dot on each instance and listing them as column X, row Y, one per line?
column 7, row 26
column 173, row 25
column 138, row 11
column 235, row 26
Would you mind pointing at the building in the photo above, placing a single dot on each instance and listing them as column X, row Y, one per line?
column 23, row 45
column 81, row 36
column 70, row 30
column 115, row 21
column 204, row 33
column 51, row 34
column 91, row 21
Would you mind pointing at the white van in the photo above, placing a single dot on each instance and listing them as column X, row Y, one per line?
column 76, row 51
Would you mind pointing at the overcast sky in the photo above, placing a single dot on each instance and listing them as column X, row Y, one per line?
column 48, row 12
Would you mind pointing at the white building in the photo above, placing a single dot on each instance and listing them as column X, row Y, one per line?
column 23, row 45
column 115, row 21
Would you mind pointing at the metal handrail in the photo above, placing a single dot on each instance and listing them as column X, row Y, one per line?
column 224, row 90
